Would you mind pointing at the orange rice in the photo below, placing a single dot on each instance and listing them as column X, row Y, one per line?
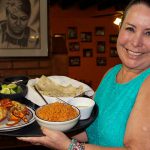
column 57, row 112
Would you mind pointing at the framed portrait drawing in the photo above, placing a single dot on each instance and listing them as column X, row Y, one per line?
column 26, row 35
column 87, row 52
column 99, row 31
column 72, row 33
column 86, row 36
column 101, row 61
column 74, row 61
column 74, row 46
column 100, row 47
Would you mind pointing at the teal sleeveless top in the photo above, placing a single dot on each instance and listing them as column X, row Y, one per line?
column 115, row 102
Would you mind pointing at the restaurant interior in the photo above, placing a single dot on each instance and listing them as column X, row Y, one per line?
column 81, row 41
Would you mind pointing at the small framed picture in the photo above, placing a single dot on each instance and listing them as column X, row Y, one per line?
column 74, row 61
column 99, row 31
column 72, row 33
column 87, row 52
column 86, row 36
column 113, row 52
column 101, row 61
column 100, row 47
column 74, row 46
column 113, row 38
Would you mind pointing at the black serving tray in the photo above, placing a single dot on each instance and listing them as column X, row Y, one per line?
column 34, row 129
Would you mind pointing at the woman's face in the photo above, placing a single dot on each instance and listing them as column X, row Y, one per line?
column 17, row 22
column 133, row 42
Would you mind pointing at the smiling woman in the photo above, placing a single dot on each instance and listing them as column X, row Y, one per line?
column 123, row 95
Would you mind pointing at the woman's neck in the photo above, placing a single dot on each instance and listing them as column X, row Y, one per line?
column 127, row 74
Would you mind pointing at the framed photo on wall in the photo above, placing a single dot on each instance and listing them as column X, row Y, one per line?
column 113, row 38
column 74, row 46
column 74, row 61
column 72, row 33
column 86, row 36
column 99, row 31
column 29, row 38
column 100, row 47
column 87, row 52
column 101, row 61
column 113, row 52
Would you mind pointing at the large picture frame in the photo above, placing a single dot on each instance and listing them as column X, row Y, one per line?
column 32, row 39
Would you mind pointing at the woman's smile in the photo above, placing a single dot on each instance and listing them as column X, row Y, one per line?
column 133, row 54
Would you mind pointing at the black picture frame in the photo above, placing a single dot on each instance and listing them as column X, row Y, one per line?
column 87, row 52
column 86, row 36
column 113, row 38
column 73, row 46
column 74, row 61
column 72, row 33
column 113, row 52
column 100, row 47
column 101, row 61
column 99, row 31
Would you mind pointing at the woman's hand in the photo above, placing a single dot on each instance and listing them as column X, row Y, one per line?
column 52, row 139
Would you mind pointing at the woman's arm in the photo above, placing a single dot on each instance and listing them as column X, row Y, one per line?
column 137, row 135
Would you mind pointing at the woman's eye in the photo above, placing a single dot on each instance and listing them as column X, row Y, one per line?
column 148, row 33
column 130, row 29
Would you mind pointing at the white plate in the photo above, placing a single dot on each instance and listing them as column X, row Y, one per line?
column 21, row 124
column 34, row 97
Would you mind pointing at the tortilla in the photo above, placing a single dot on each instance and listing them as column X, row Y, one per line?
column 49, row 87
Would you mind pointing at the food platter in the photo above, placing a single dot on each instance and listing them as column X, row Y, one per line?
column 33, row 129
column 21, row 124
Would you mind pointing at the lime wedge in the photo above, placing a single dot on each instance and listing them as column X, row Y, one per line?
column 11, row 86
column 5, row 91
column 12, row 91
column 4, row 86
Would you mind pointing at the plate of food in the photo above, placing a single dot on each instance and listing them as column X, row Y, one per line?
column 52, row 87
column 14, row 115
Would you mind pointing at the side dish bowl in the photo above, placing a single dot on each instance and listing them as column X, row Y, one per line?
column 58, row 125
column 15, row 96
column 84, row 104
column 18, row 79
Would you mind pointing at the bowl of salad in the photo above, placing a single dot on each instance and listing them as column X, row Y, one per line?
column 13, row 91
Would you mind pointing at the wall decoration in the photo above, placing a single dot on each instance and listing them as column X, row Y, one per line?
column 30, row 40
column 101, row 61
column 86, row 36
column 99, row 31
column 74, row 46
column 113, row 38
column 113, row 52
column 74, row 61
column 100, row 47
column 62, row 35
column 87, row 52
column 72, row 33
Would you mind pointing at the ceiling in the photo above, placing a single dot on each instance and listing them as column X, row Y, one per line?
column 85, row 4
